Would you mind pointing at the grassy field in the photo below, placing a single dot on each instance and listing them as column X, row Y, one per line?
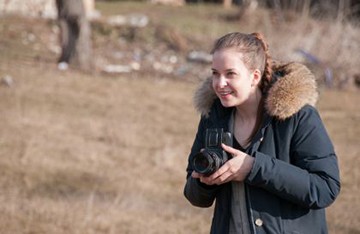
column 92, row 153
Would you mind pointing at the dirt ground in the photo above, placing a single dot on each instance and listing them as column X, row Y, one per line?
column 88, row 152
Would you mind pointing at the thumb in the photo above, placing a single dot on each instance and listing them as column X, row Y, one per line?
column 230, row 149
column 195, row 175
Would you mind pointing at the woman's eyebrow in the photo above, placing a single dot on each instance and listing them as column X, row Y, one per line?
column 230, row 69
column 227, row 70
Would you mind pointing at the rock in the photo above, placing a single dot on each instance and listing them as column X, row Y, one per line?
column 199, row 56
column 166, row 68
column 169, row 2
column 63, row 66
column 114, row 68
column 133, row 20
column 7, row 80
column 357, row 80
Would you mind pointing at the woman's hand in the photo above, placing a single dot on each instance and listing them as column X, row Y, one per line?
column 236, row 169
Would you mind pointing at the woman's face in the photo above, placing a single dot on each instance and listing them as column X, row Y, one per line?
column 233, row 83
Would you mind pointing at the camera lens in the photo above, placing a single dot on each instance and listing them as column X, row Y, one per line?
column 201, row 163
column 205, row 162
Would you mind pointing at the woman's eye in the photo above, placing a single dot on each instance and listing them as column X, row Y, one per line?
column 215, row 74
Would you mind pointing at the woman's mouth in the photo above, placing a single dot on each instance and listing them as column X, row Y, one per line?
column 225, row 94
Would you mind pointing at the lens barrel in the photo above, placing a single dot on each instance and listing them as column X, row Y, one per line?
column 206, row 162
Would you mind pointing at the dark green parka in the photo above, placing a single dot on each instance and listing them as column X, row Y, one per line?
column 295, row 174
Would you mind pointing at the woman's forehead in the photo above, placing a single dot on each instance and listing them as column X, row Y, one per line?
column 227, row 56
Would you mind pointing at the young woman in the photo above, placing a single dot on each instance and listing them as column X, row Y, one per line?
column 283, row 170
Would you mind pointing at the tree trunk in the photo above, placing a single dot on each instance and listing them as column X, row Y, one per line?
column 84, row 45
column 227, row 3
column 75, row 33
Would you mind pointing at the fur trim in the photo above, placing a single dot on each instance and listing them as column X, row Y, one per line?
column 204, row 97
column 293, row 91
column 295, row 88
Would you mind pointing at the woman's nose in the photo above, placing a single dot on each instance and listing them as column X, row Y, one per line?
column 222, row 82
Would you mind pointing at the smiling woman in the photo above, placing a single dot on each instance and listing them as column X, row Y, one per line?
column 231, row 78
column 282, row 170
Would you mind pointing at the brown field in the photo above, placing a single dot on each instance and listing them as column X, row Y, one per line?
column 92, row 153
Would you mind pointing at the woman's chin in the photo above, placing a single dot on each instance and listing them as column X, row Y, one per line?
column 227, row 103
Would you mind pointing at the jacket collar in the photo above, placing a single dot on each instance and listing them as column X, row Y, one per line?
column 294, row 87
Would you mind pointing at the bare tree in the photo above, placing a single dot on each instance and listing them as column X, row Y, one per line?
column 227, row 3
column 75, row 34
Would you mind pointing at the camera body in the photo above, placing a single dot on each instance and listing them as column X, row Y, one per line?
column 213, row 156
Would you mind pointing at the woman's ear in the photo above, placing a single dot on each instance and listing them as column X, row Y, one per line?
column 256, row 77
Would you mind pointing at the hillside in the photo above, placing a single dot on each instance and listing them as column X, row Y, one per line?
column 91, row 152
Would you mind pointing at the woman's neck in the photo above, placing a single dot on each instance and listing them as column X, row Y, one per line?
column 247, row 119
column 248, row 111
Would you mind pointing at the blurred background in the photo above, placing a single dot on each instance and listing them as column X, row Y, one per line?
column 96, row 112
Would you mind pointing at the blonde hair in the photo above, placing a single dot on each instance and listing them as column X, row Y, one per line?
column 254, row 50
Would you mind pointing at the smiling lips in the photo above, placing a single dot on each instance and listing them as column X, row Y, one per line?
column 225, row 94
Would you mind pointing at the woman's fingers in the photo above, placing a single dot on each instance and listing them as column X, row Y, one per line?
column 231, row 170
column 195, row 175
column 234, row 169
column 230, row 150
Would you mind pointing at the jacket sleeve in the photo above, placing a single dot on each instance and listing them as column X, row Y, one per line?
column 311, row 178
column 197, row 193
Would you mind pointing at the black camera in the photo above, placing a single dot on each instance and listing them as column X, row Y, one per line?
column 213, row 156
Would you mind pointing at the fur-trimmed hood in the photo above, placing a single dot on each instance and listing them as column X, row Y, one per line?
column 295, row 87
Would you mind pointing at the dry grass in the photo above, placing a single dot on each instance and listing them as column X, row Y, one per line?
column 341, row 114
column 92, row 154
column 88, row 153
